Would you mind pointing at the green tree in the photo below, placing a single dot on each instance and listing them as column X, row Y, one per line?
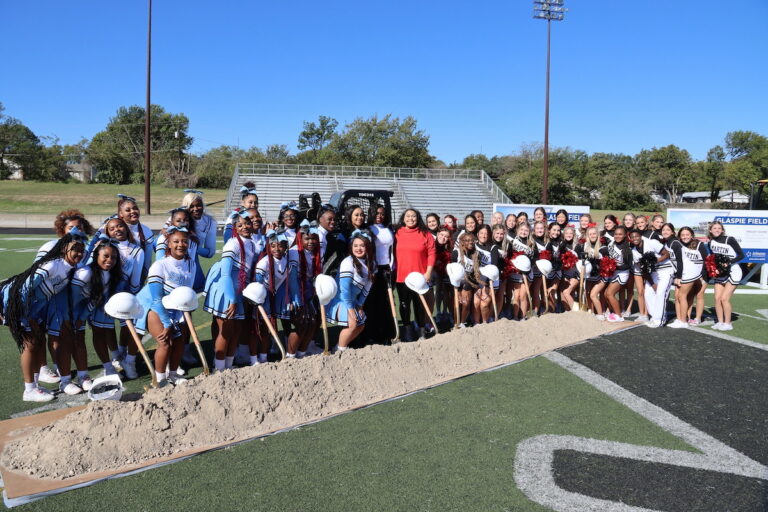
column 749, row 154
column 315, row 136
column 118, row 150
column 712, row 170
column 668, row 169
column 385, row 142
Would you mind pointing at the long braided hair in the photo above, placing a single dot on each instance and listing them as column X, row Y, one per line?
column 97, row 284
column 18, row 306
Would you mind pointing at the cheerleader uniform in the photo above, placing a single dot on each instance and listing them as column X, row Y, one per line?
column 489, row 255
column 46, row 248
column 49, row 303
column 519, row 245
column 205, row 231
column 294, row 285
column 662, row 277
column 469, row 282
column 730, row 247
column 353, row 290
column 164, row 276
column 573, row 272
column 555, row 247
column 607, row 236
column 145, row 238
column 693, row 263
column 132, row 264
column 224, row 286
column 290, row 234
column 162, row 246
column 675, row 250
column 277, row 303
column 623, row 263
column 83, row 308
column 581, row 252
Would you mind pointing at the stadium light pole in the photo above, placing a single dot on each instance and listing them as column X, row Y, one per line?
column 550, row 10
column 147, row 141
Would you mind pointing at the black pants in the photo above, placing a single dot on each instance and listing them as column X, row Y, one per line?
column 408, row 298
column 379, row 325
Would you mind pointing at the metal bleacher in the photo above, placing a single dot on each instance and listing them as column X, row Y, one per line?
column 442, row 191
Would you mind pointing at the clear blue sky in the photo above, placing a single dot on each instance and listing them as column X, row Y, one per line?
column 625, row 75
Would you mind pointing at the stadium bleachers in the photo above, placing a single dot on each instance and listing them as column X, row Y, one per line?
column 442, row 191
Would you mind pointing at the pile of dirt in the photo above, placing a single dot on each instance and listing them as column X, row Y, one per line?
column 248, row 402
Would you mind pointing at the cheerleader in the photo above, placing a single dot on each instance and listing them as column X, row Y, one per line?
column 63, row 224
column 569, row 278
column 720, row 243
column 204, row 230
column 510, row 223
column 561, row 218
column 356, row 275
column 248, row 199
column 522, row 217
column 659, row 282
column 472, row 293
column 479, row 216
column 181, row 218
column 540, row 241
column 288, row 220
column 610, row 222
column 470, row 226
column 27, row 299
column 452, row 223
column 433, row 223
column 589, row 251
column 92, row 286
column 620, row 251
column 554, row 246
column 501, row 247
column 379, row 326
column 333, row 247
column 646, row 231
column 628, row 221
column 303, row 266
column 128, row 210
column 657, row 221
column 354, row 219
column 539, row 215
column 497, row 218
column 688, row 273
column 167, row 326
column 585, row 222
column 516, row 286
column 272, row 272
column 638, row 245
column 488, row 255
column 224, row 286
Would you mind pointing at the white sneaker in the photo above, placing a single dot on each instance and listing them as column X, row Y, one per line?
column 642, row 318
column 717, row 326
column 653, row 324
column 36, row 395
column 176, row 379
column 130, row 370
column 626, row 314
column 725, row 327
column 613, row 317
column 48, row 376
column 600, row 317
column 71, row 389
column 179, row 371
column 117, row 364
column 86, row 383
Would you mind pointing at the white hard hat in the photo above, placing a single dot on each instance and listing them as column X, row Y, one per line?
column 522, row 263
column 256, row 293
column 123, row 306
column 325, row 288
column 416, row 282
column 490, row 271
column 455, row 274
column 584, row 267
column 106, row 387
column 182, row 298
column 545, row 266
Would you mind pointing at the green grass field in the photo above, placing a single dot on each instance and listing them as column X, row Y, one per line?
column 447, row 448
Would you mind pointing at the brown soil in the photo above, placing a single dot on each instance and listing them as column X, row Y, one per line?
column 249, row 402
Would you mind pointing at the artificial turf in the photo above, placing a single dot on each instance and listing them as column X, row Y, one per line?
column 448, row 448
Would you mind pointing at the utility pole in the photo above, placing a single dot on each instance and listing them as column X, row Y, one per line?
column 550, row 10
column 147, row 141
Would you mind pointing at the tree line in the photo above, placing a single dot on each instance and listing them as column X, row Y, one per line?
column 605, row 180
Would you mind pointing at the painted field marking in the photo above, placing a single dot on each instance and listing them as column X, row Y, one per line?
column 763, row 312
column 753, row 316
column 535, row 455
column 723, row 336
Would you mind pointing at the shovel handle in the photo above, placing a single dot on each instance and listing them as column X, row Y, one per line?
column 530, row 299
column 429, row 311
column 143, row 351
column 196, row 340
column 272, row 331
column 324, row 321
column 456, row 306
column 493, row 300
column 394, row 313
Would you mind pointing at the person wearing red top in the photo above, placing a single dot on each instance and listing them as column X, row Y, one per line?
column 414, row 252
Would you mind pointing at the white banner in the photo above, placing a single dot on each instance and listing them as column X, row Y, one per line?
column 748, row 227
column 574, row 211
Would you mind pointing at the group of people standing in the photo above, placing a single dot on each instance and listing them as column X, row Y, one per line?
column 370, row 257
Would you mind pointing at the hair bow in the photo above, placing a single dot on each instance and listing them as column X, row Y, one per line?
column 361, row 233
column 289, row 206
column 104, row 239
column 193, row 191
column 276, row 236
column 126, row 198
column 239, row 213
column 113, row 216
column 327, row 207
column 174, row 229
column 76, row 234
column 245, row 191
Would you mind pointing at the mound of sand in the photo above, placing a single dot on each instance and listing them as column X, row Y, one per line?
column 248, row 402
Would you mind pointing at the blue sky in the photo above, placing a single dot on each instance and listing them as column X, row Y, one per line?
column 625, row 76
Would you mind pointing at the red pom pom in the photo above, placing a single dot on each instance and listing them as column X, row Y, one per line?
column 607, row 267
column 545, row 255
column 711, row 265
column 568, row 260
column 582, row 241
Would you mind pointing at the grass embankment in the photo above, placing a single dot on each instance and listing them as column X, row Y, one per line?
column 33, row 197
